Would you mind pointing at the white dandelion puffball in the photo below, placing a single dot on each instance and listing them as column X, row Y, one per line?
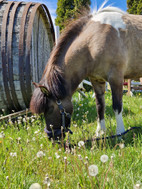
column 13, row 154
column 93, row 170
column 81, row 143
column 138, row 186
column 35, row 186
column 104, row 158
column 40, row 154
column 121, row 145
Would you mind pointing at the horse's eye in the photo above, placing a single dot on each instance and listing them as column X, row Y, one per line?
column 50, row 110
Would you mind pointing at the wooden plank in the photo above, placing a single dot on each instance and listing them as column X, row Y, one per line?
column 14, row 115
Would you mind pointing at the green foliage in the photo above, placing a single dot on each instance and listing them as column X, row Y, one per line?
column 68, row 9
column 134, row 6
column 27, row 156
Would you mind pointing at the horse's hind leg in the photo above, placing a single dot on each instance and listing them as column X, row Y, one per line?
column 117, row 92
column 99, row 89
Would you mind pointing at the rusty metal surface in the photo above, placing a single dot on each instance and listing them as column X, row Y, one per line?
column 9, row 56
column 28, row 49
column 21, row 53
column 3, row 54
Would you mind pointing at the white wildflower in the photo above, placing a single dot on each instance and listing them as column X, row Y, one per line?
column 137, row 186
column 24, row 119
column 81, row 143
column 7, row 177
column 75, row 125
column 35, row 186
column 19, row 138
column 33, row 139
column 112, row 156
column 121, row 145
column 2, row 135
column 36, row 132
column 104, row 158
column 20, row 118
column 19, row 121
column 93, row 170
column 57, row 156
column 47, row 180
column 40, row 154
column 65, row 158
column 13, row 154
column 32, row 120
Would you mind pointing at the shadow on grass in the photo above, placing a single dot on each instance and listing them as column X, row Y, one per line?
column 128, row 139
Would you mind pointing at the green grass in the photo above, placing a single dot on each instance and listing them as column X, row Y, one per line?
column 68, row 169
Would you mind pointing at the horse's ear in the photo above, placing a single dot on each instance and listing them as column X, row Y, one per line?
column 43, row 89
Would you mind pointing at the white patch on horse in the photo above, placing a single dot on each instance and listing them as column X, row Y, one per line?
column 111, row 16
column 120, row 126
column 101, row 128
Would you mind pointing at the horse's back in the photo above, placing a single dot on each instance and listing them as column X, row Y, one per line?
column 119, row 46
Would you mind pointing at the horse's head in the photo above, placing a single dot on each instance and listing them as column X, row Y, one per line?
column 57, row 112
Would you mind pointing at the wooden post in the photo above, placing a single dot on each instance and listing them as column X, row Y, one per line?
column 129, row 87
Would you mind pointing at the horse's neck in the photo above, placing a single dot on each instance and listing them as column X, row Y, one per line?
column 76, row 67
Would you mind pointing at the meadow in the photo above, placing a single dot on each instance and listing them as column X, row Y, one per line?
column 27, row 156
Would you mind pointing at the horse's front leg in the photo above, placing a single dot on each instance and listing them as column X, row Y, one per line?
column 99, row 89
column 116, row 84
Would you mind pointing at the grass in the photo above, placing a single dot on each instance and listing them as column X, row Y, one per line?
column 27, row 156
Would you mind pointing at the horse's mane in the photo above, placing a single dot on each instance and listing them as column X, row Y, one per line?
column 108, row 8
column 53, row 76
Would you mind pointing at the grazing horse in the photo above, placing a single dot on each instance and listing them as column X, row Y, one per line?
column 104, row 46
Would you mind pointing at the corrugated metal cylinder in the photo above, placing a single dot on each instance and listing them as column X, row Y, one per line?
column 26, row 40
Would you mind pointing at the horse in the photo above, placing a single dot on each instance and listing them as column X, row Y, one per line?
column 104, row 46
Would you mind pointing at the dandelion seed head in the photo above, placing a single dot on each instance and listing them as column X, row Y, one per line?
column 40, row 154
column 121, row 145
column 19, row 138
column 24, row 119
column 112, row 156
column 35, row 186
column 2, row 135
column 104, row 158
column 137, row 186
column 13, row 154
column 93, row 170
column 57, row 155
column 81, row 143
